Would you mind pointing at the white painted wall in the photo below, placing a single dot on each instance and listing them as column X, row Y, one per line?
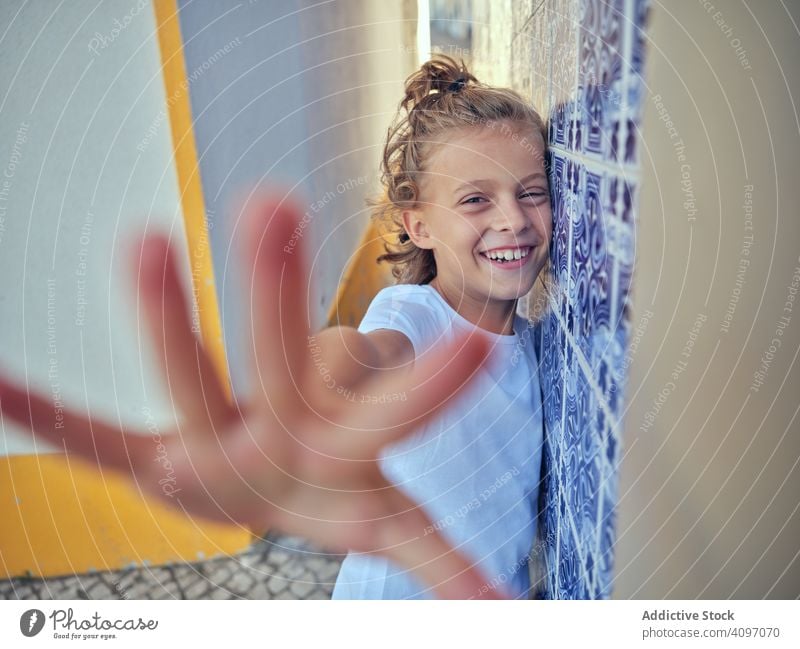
column 74, row 188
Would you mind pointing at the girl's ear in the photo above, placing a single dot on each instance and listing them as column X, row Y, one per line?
column 417, row 229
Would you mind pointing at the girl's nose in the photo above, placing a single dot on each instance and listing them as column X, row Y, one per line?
column 511, row 216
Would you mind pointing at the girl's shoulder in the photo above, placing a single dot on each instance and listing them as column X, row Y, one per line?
column 416, row 298
column 410, row 290
column 413, row 309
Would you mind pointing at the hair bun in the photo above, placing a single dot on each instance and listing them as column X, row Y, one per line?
column 457, row 85
column 442, row 74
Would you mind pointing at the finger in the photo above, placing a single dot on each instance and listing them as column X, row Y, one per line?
column 411, row 399
column 277, row 285
column 382, row 520
column 412, row 541
column 87, row 437
column 193, row 383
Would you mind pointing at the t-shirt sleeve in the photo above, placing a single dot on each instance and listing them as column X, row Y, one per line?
column 406, row 310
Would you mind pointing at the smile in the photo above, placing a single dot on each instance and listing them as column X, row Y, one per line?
column 508, row 258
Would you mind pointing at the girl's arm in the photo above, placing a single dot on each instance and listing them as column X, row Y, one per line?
column 293, row 456
column 351, row 356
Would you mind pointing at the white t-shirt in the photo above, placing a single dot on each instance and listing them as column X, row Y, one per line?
column 474, row 467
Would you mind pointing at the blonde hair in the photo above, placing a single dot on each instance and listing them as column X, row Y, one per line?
column 440, row 96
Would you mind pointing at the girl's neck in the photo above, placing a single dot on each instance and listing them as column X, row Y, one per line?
column 496, row 316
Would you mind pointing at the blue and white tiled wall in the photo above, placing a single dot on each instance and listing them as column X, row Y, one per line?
column 594, row 108
column 586, row 75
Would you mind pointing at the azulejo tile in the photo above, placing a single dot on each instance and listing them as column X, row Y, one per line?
column 600, row 79
column 569, row 571
column 590, row 270
column 522, row 54
column 561, row 230
column 636, row 36
column 620, row 194
column 540, row 34
column 594, row 111
column 605, row 553
column 563, row 15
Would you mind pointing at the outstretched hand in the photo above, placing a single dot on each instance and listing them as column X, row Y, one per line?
column 296, row 456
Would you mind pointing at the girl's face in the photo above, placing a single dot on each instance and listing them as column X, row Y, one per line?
column 484, row 193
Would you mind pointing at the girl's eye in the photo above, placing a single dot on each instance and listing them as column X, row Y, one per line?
column 473, row 198
column 534, row 195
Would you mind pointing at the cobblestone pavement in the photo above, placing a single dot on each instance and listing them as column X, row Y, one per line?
column 275, row 567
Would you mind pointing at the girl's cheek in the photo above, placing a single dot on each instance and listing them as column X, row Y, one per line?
column 545, row 218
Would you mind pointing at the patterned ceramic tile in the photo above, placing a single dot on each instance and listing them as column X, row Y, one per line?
column 563, row 16
column 563, row 199
column 540, row 34
column 600, row 79
column 522, row 49
column 595, row 95
column 635, row 83
column 521, row 12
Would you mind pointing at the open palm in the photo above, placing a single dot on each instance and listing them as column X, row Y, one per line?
column 297, row 457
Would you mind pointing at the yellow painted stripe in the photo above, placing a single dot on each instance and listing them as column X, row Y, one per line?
column 189, row 182
column 62, row 517
column 361, row 281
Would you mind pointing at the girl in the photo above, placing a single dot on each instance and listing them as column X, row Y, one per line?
column 421, row 440
column 466, row 194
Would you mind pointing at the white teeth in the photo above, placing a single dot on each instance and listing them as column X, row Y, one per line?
column 508, row 254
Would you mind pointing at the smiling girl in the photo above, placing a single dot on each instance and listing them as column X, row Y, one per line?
column 466, row 195
column 430, row 481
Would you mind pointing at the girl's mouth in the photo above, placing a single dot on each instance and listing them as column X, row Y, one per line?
column 508, row 258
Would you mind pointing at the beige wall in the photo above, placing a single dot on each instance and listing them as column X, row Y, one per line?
column 710, row 482
column 709, row 477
